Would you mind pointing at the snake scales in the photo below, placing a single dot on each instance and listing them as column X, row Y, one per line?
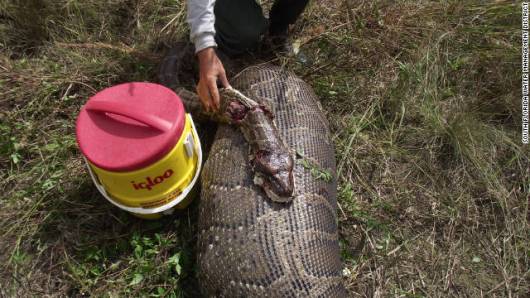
column 249, row 245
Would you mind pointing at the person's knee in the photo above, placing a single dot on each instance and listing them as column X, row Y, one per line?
column 238, row 40
column 239, row 24
column 248, row 37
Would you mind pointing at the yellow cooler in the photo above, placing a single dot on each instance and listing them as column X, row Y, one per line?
column 141, row 148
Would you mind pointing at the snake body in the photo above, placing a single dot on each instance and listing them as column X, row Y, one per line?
column 249, row 245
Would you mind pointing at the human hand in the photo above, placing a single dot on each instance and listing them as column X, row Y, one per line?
column 211, row 69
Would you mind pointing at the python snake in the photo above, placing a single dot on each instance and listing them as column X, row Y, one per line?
column 249, row 245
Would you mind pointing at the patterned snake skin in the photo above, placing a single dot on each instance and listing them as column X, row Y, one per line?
column 250, row 246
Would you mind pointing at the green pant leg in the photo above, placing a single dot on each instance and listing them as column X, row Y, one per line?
column 239, row 24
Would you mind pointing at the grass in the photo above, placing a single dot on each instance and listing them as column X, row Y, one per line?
column 424, row 102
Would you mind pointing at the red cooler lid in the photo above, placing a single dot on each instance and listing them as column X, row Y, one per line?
column 130, row 126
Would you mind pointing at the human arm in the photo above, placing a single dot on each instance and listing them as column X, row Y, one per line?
column 211, row 69
column 201, row 19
